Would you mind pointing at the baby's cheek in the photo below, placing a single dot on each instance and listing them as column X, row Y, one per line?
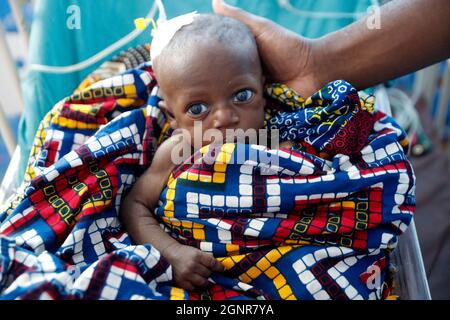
column 253, row 119
column 260, row 113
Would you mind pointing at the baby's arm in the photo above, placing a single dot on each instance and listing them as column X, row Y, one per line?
column 191, row 267
column 136, row 210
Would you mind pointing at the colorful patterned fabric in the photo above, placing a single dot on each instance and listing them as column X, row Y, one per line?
column 318, row 225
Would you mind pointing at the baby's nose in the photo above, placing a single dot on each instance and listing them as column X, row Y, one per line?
column 225, row 117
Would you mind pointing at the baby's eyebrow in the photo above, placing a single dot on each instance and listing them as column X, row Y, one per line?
column 192, row 95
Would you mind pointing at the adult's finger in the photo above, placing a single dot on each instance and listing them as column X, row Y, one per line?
column 256, row 24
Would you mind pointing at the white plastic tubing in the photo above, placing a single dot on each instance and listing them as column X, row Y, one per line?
column 157, row 5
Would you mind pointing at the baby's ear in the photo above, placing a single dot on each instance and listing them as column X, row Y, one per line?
column 168, row 113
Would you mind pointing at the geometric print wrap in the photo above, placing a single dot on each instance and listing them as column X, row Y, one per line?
column 319, row 224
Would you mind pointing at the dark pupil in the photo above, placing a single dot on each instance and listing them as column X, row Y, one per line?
column 196, row 108
column 242, row 96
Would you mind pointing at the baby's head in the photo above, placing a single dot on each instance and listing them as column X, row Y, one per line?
column 211, row 72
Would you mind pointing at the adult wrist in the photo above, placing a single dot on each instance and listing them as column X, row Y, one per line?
column 167, row 250
column 320, row 69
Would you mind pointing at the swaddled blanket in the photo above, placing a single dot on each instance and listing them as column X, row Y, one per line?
column 314, row 222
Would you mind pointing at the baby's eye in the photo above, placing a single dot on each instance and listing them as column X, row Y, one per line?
column 243, row 95
column 197, row 109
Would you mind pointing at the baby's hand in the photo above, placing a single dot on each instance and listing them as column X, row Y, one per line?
column 190, row 266
column 286, row 144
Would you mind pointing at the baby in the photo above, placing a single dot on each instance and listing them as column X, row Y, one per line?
column 209, row 72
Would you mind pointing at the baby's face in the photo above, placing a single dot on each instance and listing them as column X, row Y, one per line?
column 220, row 86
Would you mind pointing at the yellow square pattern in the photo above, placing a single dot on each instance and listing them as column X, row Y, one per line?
column 169, row 206
column 204, row 178
column 254, row 272
column 272, row 272
column 279, row 281
column 199, row 234
column 220, row 167
column 273, row 255
column 263, row 264
column 285, row 292
column 245, row 278
column 219, row 177
column 170, row 194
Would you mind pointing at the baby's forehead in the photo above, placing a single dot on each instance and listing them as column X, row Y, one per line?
column 201, row 57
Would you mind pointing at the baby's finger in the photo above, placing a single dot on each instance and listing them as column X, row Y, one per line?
column 186, row 285
column 211, row 263
column 198, row 281
column 203, row 271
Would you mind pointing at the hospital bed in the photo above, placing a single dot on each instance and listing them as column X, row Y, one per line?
column 409, row 282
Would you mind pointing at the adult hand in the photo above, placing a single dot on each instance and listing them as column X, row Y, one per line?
column 287, row 57
column 362, row 54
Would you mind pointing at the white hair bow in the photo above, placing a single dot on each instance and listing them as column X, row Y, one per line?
column 166, row 30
